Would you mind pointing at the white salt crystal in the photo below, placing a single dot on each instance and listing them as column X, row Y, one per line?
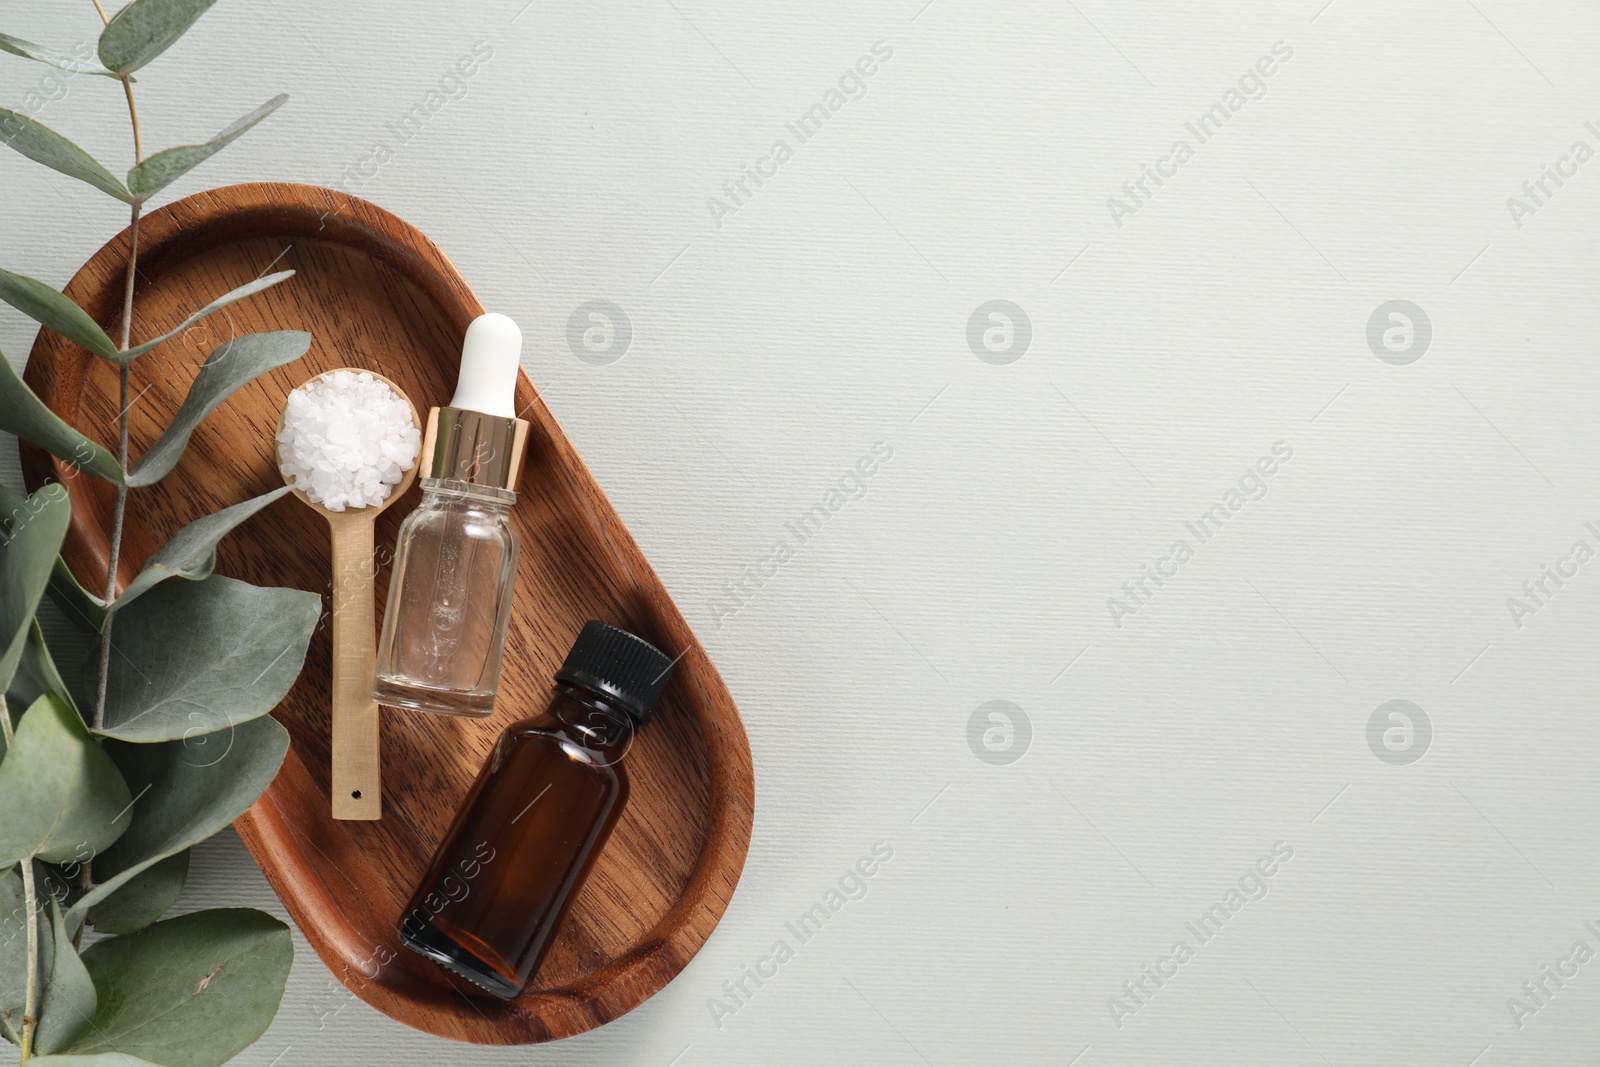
column 347, row 440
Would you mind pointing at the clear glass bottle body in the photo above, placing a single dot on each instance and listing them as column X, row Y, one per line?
column 444, row 627
column 525, row 839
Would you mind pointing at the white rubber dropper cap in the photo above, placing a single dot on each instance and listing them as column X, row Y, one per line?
column 490, row 356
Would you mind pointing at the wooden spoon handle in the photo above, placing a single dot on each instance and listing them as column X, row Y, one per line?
column 357, row 784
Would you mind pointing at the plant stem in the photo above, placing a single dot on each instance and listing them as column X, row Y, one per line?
column 30, row 1004
column 123, row 419
column 138, row 156
column 121, row 510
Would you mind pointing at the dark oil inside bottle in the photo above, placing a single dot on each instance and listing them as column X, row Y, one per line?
column 500, row 884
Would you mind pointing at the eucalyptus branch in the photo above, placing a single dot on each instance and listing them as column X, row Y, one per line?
column 120, row 511
column 30, row 1004
column 69, row 794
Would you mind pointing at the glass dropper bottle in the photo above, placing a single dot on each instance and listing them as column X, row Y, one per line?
column 538, row 815
column 444, row 627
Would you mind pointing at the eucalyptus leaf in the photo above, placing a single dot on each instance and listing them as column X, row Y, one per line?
column 36, row 672
column 192, row 552
column 248, row 289
column 196, row 657
column 144, row 898
column 230, row 366
column 60, row 60
column 61, row 794
column 10, row 713
column 24, row 414
column 68, row 999
column 43, row 304
column 60, row 880
column 80, row 606
column 36, row 675
column 167, row 166
column 28, row 551
column 83, row 608
column 43, row 145
column 144, row 29
column 191, row 789
column 14, row 950
column 192, row 991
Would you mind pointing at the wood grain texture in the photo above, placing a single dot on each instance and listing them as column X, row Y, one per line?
column 375, row 293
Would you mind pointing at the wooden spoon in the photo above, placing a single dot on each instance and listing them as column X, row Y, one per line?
column 357, row 781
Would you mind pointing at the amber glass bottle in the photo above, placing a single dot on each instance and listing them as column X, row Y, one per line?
column 494, row 896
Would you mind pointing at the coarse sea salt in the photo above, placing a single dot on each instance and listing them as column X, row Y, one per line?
column 347, row 440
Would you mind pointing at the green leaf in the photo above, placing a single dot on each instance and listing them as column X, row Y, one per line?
column 28, row 550
column 60, row 793
column 61, row 60
column 220, row 302
column 190, row 790
column 144, row 898
column 196, row 657
column 232, row 365
column 43, row 145
column 193, row 991
column 68, row 1000
column 14, row 950
column 43, row 304
column 144, row 29
column 192, row 551
column 167, row 166
column 65, row 992
column 36, row 675
column 83, row 608
column 24, row 414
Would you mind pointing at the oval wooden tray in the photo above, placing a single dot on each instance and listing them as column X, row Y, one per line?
column 376, row 293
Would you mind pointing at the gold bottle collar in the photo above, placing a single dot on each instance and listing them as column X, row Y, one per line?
column 470, row 446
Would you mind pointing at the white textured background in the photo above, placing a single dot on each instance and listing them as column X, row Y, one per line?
column 1167, row 354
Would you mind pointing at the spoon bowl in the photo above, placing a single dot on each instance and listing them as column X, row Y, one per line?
column 400, row 487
